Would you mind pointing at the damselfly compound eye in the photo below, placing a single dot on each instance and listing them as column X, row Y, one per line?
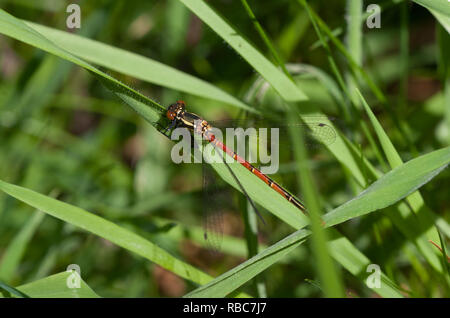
column 171, row 114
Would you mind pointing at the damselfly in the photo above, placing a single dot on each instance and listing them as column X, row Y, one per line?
column 180, row 118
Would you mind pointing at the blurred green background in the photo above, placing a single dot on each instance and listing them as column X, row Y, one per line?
column 65, row 135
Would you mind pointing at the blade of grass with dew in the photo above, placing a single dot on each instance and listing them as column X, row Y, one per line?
column 147, row 108
column 136, row 65
column 105, row 229
column 327, row 271
column 415, row 199
column 379, row 195
column 281, row 83
column 55, row 286
column 16, row 249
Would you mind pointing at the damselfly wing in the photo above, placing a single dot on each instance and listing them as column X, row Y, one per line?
column 317, row 130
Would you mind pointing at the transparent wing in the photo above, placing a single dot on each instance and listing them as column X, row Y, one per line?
column 318, row 130
column 216, row 198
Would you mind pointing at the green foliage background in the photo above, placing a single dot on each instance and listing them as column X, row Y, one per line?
column 86, row 180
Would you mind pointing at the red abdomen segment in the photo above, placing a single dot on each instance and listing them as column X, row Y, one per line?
column 256, row 172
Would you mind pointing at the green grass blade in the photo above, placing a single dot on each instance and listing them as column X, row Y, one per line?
column 338, row 31
column 341, row 248
column 262, row 194
column 265, row 38
column 55, row 286
column 392, row 187
column 136, row 100
column 16, row 249
column 440, row 6
column 107, row 230
column 11, row 290
column 135, row 65
column 15, row 28
column 444, row 20
column 279, row 81
column 388, row 148
column 236, row 277
column 415, row 199
column 354, row 40
column 329, row 276
column 416, row 172
column 444, row 67
column 353, row 64
column 356, row 263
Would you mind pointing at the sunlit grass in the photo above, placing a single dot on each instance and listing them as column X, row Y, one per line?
column 98, row 191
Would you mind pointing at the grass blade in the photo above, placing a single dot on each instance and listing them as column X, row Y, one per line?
column 279, row 81
column 16, row 249
column 15, row 28
column 135, row 65
column 105, row 229
column 236, row 277
column 12, row 291
column 329, row 276
column 392, row 187
column 379, row 195
column 415, row 199
column 55, row 286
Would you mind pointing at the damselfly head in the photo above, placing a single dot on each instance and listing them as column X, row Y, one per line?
column 175, row 110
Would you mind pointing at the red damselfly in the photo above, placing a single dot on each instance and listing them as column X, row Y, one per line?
column 180, row 118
